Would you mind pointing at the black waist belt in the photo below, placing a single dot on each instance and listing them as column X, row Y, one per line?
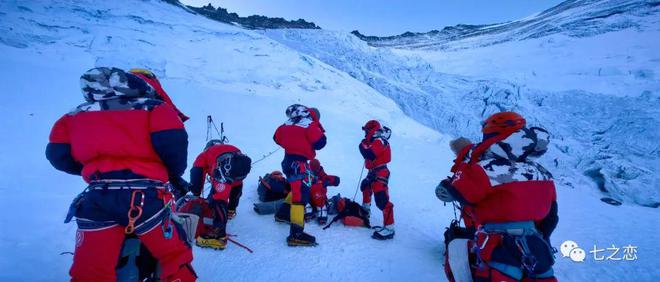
column 119, row 184
column 380, row 167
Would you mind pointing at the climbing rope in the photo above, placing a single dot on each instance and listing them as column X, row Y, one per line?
column 266, row 155
column 358, row 183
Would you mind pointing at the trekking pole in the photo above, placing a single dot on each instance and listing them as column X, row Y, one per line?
column 223, row 139
column 210, row 124
column 358, row 184
column 208, row 127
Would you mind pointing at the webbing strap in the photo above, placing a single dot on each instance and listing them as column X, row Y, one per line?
column 513, row 228
column 512, row 271
column 119, row 184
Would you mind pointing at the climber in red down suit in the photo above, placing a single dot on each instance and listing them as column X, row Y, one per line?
column 512, row 200
column 300, row 137
column 227, row 167
column 126, row 143
column 319, row 190
column 375, row 148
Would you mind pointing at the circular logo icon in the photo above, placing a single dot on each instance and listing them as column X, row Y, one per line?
column 220, row 187
column 80, row 237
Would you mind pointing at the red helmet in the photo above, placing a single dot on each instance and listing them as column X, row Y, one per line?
column 502, row 123
column 370, row 127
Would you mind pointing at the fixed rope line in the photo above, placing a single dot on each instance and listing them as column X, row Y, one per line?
column 358, row 183
column 266, row 156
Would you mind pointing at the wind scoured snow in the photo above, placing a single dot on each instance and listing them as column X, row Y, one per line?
column 246, row 80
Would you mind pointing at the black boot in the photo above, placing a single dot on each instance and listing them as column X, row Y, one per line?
column 384, row 233
column 310, row 213
column 284, row 213
column 322, row 215
column 297, row 237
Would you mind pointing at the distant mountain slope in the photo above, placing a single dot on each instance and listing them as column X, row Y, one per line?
column 250, row 22
column 591, row 148
column 573, row 18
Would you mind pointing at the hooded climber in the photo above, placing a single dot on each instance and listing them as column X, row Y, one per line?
column 153, row 81
column 319, row 190
column 375, row 148
column 300, row 137
column 126, row 145
column 512, row 200
column 461, row 147
column 227, row 167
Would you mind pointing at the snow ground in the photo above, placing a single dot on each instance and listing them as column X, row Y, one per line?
column 245, row 80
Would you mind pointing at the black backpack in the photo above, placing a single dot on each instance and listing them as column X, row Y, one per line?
column 272, row 186
column 346, row 207
column 232, row 166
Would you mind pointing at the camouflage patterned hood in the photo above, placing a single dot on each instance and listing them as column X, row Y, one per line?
column 511, row 159
column 526, row 143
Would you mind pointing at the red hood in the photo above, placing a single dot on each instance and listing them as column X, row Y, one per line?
column 161, row 92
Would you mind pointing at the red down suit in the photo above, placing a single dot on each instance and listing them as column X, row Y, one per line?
column 126, row 145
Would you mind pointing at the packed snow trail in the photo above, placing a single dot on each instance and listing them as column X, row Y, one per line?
column 246, row 81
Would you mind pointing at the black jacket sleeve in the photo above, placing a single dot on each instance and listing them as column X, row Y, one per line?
column 172, row 147
column 549, row 223
column 59, row 156
column 366, row 153
column 196, row 180
column 318, row 145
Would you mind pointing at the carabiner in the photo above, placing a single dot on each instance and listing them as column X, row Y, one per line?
column 130, row 227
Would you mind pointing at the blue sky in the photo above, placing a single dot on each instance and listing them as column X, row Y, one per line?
column 386, row 17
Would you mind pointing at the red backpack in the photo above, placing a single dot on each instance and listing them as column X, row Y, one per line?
column 199, row 207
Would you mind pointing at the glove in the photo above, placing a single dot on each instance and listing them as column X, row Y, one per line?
column 331, row 180
column 441, row 191
column 179, row 186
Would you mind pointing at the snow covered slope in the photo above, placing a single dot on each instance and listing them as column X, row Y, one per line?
column 592, row 148
column 246, row 80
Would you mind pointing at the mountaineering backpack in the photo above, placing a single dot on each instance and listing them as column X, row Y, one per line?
column 232, row 166
column 199, row 207
column 349, row 212
column 272, row 186
column 457, row 258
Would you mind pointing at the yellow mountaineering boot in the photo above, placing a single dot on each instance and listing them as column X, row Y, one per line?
column 297, row 237
column 212, row 240
column 213, row 243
